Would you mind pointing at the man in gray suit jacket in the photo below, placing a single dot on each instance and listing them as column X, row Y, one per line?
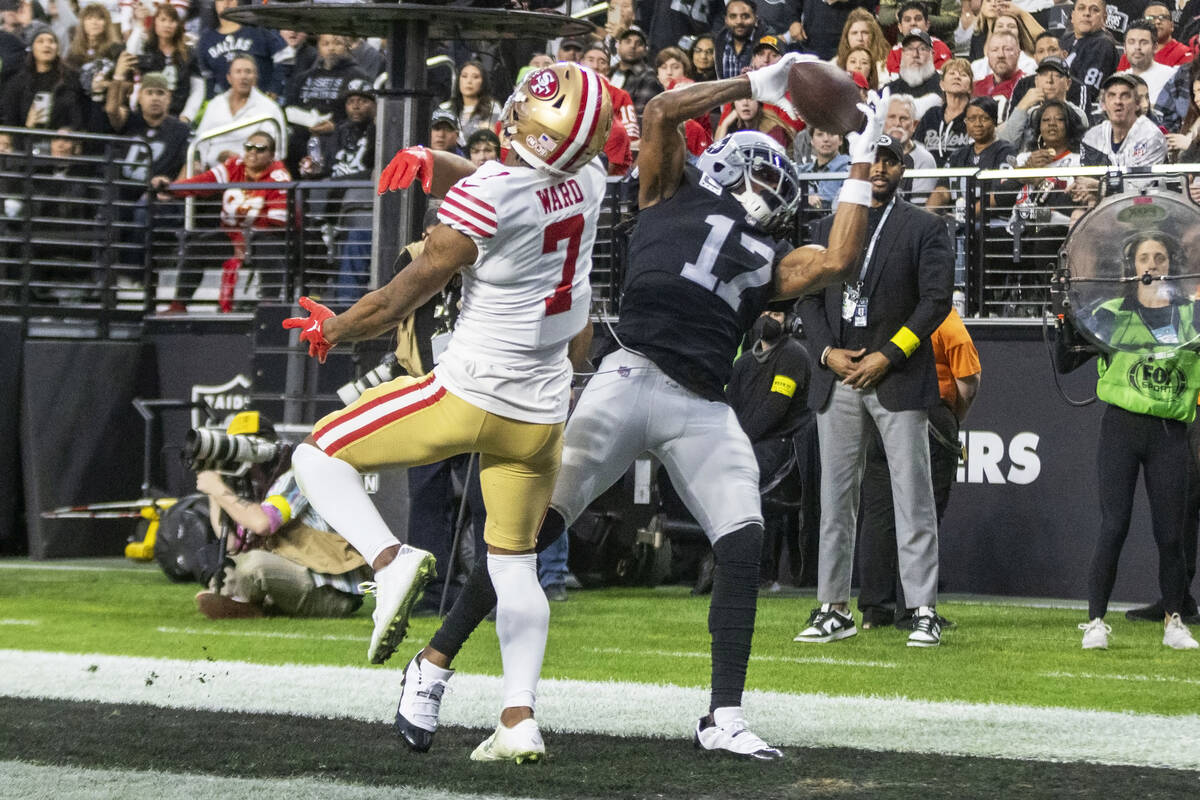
column 871, row 339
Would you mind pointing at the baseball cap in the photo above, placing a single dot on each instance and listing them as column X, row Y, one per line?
column 1055, row 63
column 155, row 80
column 571, row 43
column 891, row 145
column 359, row 87
column 1120, row 77
column 632, row 30
column 443, row 116
column 769, row 41
column 920, row 35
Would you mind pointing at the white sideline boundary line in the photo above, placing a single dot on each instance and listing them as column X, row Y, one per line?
column 328, row 637
column 20, row 779
column 618, row 709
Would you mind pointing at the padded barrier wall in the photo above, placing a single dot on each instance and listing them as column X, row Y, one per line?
column 12, row 536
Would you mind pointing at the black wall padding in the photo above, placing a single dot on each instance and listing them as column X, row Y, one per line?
column 12, row 535
column 81, row 440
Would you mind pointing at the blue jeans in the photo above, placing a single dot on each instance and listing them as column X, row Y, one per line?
column 552, row 563
column 354, row 266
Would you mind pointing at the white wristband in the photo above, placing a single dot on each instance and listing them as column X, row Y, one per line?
column 855, row 191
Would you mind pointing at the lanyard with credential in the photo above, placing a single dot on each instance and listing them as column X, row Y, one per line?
column 862, row 273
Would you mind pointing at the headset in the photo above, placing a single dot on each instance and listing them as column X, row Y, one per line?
column 1134, row 241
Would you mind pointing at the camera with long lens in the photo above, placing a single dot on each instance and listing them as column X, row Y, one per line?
column 387, row 369
column 231, row 454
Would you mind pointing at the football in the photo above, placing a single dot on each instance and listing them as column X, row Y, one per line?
column 825, row 97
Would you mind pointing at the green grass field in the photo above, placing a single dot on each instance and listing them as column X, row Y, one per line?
column 997, row 654
column 981, row 716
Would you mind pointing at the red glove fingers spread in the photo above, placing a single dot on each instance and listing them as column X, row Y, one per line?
column 311, row 326
column 407, row 165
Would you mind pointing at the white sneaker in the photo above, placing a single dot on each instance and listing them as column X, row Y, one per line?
column 1095, row 634
column 520, row 743
column 827, row 624
column 728, row 732
column 397, row 588
column 1177, row 636
column 420, row 701
column 927, row 628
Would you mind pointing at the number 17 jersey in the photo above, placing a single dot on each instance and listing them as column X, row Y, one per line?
column 699, row 275
column 528, row 292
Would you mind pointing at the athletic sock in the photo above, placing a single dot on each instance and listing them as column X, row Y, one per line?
column 522, row 622
column 335, row 490
column 731, row 612
column 478, row 596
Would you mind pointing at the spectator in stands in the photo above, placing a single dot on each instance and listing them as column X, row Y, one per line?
column 862, row 31
column 985, row 150
column 297, row 56
column 827, row 156
column 1183, row 146
column 12, row 47
column 26, row 19
column 483, row 145
column 349, row 155
column 1008, row 23
column 858, row 61
column 918, row 76
column 241, row 102
column 443, row 131
column 1089, row 49
column 370, row 59
column 93, row 54
column 1124, row 139
column 569, row 49
column 1172, row 103
column 65, row 193
column 943, row 130
column 1044, row 204
column 703, row 54
column 901, row 125
column 152, row 121
column 219, row 46
column 471, row 102
column 596, row 56
column 912, row 15
column 1051, row 82
column 674, row 68
column 314, row 102
column 241, row 209
column 1002, row 53
column 1046, row 46
column 978, row 28
column 1168, row 51
column 1140, row 57
column 633, row 74
column 735, row 41
column 162, row 48
column 823, row 23
column 47, row 93
column 750, row 115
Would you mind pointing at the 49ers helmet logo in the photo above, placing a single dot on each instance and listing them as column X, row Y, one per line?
column 543, row 84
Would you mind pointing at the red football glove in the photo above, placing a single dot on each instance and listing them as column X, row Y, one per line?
column 405, row 166
column 318, row 345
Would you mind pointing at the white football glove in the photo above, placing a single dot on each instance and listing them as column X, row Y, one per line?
column 861, row 144
column 770, row 84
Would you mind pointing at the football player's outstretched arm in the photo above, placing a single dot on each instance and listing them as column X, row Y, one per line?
column 812, row 267
column 436, row 170
column 379, row 312
column 663, row 152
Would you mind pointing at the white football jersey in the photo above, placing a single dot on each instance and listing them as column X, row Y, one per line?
column 528, row 293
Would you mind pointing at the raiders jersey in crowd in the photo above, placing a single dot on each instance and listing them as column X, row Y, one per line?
column 699, row 275
column 1091, row 59
column 528, row 293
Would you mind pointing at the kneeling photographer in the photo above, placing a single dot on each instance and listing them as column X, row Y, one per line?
column 282, row 557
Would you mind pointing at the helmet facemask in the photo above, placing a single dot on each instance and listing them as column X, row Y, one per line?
column 754, row 169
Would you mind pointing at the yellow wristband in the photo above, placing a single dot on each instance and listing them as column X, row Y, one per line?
column 907, row 341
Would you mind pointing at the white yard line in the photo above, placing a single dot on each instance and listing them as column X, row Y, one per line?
column 1100, row 676
column 266, row 634
column 839, row 662
column 20, row 622
column 619, row 709
column 19, row 779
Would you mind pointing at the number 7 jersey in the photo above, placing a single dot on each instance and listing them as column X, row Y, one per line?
column 528, row 293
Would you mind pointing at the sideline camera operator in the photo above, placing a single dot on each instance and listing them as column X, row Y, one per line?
column 284, row 559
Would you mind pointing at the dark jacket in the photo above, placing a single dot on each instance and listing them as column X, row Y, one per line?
column 908, row 285
column 66, row 104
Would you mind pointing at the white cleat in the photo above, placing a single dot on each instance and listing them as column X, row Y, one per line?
column 421, row 693
column 397, row 588
column 728, row 733
column 1095, row 634
column 520, row 743
column 1177, row 636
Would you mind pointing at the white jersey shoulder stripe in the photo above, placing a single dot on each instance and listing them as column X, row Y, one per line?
column 476, row 208
column 461, row 220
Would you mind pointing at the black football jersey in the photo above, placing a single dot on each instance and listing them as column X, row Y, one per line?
column 699, row 275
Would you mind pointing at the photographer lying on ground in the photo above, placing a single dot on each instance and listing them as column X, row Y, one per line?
column 282, row 559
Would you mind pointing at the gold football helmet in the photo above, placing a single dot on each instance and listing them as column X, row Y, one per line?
column 558, row 119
